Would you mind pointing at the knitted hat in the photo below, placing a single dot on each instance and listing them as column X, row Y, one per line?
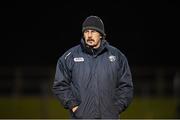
column 95, row 23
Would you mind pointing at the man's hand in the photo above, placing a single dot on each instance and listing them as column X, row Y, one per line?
column 74, row 109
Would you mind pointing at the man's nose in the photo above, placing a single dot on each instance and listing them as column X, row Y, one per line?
column 89, row 34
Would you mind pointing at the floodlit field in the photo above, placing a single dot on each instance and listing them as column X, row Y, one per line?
column 39, row 107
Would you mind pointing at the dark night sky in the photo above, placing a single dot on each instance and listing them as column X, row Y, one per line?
column 37, row 33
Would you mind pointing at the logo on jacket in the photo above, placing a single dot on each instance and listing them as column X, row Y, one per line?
column 79, row 59
column 67, row 55
column 112, row 58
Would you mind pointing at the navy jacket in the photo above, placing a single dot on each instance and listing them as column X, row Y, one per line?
column 97, row 80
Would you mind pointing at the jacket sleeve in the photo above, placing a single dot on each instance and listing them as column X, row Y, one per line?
column 62, row 85
column 124, row 89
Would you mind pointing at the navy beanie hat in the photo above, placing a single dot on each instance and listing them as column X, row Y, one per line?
column 95, row 23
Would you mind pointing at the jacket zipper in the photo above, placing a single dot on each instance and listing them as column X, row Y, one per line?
column 98, row 99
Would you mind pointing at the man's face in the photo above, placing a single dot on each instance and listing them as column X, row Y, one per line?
column 92, row 38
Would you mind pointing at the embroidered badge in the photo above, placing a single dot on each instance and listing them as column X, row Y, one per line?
column 79, row 59
column 112, row 58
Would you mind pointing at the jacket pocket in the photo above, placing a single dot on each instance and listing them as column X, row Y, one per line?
column 115, row 106
column 76, row 93
column 78, row 113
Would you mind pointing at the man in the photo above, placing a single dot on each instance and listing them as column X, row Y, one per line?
column 93, row 79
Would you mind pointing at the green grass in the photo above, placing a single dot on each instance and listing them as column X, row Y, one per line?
column 151, row 108
column 38, row 107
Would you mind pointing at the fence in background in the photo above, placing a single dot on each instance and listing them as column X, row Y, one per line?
column 19, row 81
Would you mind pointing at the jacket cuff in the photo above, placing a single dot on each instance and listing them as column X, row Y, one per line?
column 71, row 104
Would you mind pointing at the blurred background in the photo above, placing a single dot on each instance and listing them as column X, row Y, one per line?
column 34, row 34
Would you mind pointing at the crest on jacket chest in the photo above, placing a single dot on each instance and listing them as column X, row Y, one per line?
column 112, row 58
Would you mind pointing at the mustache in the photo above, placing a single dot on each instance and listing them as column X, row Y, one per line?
column 90, row 39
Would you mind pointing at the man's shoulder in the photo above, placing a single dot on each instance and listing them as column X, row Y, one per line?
column 115, row 50
column 70, row 52
column 72, row 49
